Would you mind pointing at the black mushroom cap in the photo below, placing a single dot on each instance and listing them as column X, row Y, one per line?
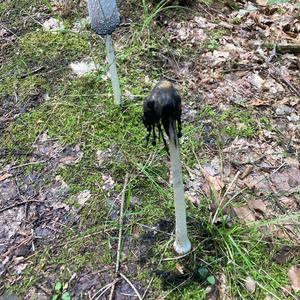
column 162, row 109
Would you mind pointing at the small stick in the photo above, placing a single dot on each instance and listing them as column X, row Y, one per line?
column 113, row 69
column 19, row 204
column 26, row 164
column 104, row 289
column 121, row 224
column 147, row 288
column 225, row 194
column 32, row 72
column 120, row 235
column 154, row 229
column 132, row 286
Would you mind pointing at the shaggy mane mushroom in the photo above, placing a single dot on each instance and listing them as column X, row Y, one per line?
column 163, row 109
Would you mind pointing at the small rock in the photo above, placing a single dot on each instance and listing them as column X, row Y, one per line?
column 3, row 32
column 284, row 110
column 250, row 284
column 9, row 297
column 293, row 118
column 255, row 80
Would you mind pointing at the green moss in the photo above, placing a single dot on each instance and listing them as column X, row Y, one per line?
column 230, row 123
column 53, row 46
column 23, row 90
column 3, row 7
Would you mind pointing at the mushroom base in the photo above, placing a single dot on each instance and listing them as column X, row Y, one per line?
column 182, row 248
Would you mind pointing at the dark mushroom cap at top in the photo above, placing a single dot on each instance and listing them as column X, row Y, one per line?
column 104, row 15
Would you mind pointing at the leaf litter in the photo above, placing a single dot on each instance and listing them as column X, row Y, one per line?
column 242, row 72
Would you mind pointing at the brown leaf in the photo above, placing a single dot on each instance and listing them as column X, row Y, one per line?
column 259, row 102
column 214, row 182
column 294, row 276
column 5, row 176
column 250, row 284
column 286, row 180
column 244, row 213
column 257, row 205
column 262, row 2
column 213, row 293
column 68, row 159
column 193, row 199
column 285, row 254
column 247, row 171
column 136, row 231
column 180, row 268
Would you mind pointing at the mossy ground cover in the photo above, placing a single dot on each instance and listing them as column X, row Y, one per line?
column 80, row 111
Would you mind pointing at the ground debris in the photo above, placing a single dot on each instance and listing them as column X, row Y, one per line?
column 294, row 276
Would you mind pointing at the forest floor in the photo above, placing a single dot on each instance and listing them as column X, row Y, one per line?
column 70, row 159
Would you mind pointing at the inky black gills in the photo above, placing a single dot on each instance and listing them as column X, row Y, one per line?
column 162, row 107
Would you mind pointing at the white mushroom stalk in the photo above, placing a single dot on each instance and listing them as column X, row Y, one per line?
column 182, row 243
column 105, row 18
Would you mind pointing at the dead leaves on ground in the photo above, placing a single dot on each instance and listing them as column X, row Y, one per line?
column 294, row 276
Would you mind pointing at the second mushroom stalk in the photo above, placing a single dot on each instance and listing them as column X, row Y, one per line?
column 163, row 109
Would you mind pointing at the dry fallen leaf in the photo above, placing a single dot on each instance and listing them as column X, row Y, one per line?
column 250, row 284
column 67, row 160
column 5, row 176
column 262, row 2
column 285, row 254
column 214, row 182
column 136, row 231
column 258, row 205
column 294, row 276
column 259, row 102
column 247, row 171
column 83, row 197
column 244, row 213
column 223, row 287
column 180, row 268
column 193, row 199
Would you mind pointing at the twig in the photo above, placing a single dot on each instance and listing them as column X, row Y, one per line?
column 225, row 194
column 175, row 288
column 121, row 224
column 177, row 257
column 103, row 290
column 112, row 291
column 147, row 288
column 19, row 204
column 7, row 29
column 288, row 48
column 230, row 185
column 120, row 235
column 286, row 82
column 154, row 229
column 32, row 72
column 27, row 164
column 132, row 286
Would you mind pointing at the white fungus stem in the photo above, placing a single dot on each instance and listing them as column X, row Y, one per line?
column 113, row 69
column 182, row 243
